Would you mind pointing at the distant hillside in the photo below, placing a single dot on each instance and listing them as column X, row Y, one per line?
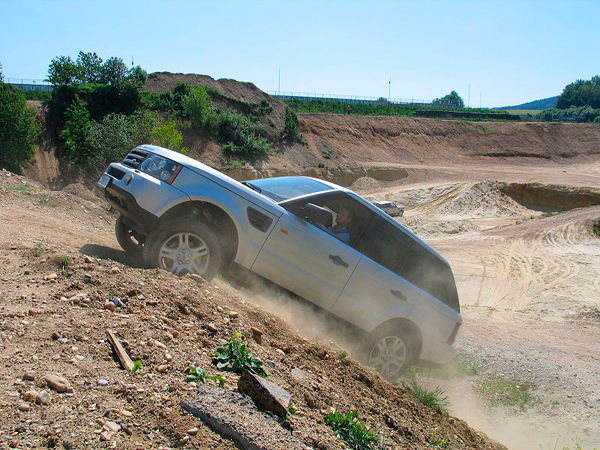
column 544, row 103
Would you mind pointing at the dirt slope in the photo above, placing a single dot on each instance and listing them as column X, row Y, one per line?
column 53, row 321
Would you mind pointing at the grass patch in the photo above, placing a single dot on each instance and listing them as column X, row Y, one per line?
column 7, row 187
column 498, row 390
column 459, row 366
column 353, row 432
column 591, row 311
column 434, row 399
column 47, row 202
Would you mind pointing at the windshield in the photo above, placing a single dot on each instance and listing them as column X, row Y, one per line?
column 284, row 188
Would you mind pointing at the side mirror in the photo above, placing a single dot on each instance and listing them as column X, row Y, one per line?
column 314, row 213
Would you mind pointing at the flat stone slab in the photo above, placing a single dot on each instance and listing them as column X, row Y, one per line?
column 236, row 417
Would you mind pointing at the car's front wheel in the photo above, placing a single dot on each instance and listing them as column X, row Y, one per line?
column 389, row 351
column 129, row 240
column 183, row 247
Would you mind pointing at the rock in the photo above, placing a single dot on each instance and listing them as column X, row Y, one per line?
column 184, row 440
column 30, row 396
column 110, row 306
column 59, row 384
column 43, row 398
column 29, row 376
column 257, row 335
column 162, row 368
column 159, row 345
column 33, row 311
column 24, row 407
column 51, row 277
column 265, row 394
column 56, row 335
column 220, row 309
column 125, row 413
column 112, row 426
column 192, row 431
column 212, row 327
column 87, row 259
column 102, row 383
column 233, row 314
column 197, row 278
column 298, row 373
column 168, row 357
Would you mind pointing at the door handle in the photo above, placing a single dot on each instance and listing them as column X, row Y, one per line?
column 338, row 260
column 398, row 294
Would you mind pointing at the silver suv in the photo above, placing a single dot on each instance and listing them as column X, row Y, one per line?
column 316, row 239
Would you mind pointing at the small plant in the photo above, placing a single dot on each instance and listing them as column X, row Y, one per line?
column 47, row 202
column 341, row 355
column 326, row 154
column 235, row 357
column 434, row 399
column 38, row 245
column 500, row 391
column 596, row 227
column 136, row 368
column 436, row 442
column 199, row 374
column 353, row 432
column 65, row 261
column 591, row 311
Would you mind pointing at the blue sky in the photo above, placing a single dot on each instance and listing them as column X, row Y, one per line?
column 503, row 52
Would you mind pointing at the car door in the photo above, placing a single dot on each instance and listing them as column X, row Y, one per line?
column 376, row 291
column 306, row 260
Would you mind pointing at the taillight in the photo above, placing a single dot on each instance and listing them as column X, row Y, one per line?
column 452, row 337
column 162, row 168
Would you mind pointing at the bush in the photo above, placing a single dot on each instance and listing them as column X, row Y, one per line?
column 76, row 132
column 167, row 135
column 239, row 135
column 197, row 107
column 110, row 140
column 353, row 432
column 235, row 357
column 19, row 129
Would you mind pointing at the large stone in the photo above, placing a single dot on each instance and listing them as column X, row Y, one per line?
column 59, row 384
column 266, row 395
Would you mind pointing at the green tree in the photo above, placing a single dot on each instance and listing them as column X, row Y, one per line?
column 197, row 107
column 168, row 136
column 114, row 72
column 89, row 67
column 62, row 71
column 1, row 74
column 452, row 100
column 109, row 140
column 138, row 76
column 76, row 132
column 580, row 93
column 19, row 129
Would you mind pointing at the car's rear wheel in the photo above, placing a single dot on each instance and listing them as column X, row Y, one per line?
column 129, row 240
column 389, row 351
column 183, row 247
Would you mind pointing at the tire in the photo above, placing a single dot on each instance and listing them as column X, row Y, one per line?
column 183, row 247
column 128, row 239
column 389, row 350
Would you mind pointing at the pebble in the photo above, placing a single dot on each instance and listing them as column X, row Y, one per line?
column 193, row 431
column 59, row 384
column 56, row 335
column 163, row 368
column 29, row 376
column 233, row 314
column 197, row 278
column 24, row 407
column 102, row 383
column 220, row 309
column 160, row 345
column 87, row 259
column 211, row 326
column 51, row 276
column 30, row 396
column 168, row 357
column 110, row 306
column 43, row 398
column 112, row 426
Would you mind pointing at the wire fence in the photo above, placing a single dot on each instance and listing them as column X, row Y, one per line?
column 284, row 95
column 29, row 84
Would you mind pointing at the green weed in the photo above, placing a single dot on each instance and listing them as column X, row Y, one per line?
column 498, row 390
column 434, row 399
column 136, row 368
column 199, row 374
column 596, row 227
column 437, row 442
column 341, row 355
column 591, row 311
column 38, row 245
column 235, row 357
column 354, row 432
column 65, row 261
column 6, row 187
column 47, row 202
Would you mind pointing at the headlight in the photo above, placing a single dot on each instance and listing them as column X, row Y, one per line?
column 161, row 168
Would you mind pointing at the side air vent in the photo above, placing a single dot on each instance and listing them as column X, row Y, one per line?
column 259, row 220
column 135, row 158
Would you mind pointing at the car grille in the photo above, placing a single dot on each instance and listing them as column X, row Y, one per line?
column 135, row 158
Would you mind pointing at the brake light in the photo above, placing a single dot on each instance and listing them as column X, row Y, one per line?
column 452, row 337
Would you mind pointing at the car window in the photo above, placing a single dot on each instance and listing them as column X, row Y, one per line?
column 284, row 188
column 397, row 251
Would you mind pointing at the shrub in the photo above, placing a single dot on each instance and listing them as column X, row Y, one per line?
column 109, row 140
column 235, row 357
column 76, row 132
column 596, row 227
column 434, row 399
column 353, row 432
column 167, row 135
column 19, row 129
column 241, row 140
column 197, row 107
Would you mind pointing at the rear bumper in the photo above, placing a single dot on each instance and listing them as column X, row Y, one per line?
column 435, row 353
